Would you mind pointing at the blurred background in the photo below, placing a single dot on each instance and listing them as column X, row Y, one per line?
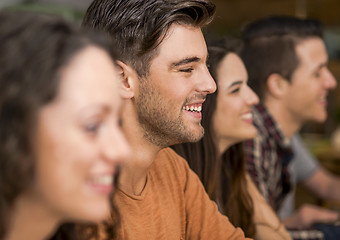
column 231, row 17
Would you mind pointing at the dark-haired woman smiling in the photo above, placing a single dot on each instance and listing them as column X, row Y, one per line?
column 60, row 139
column 218, row 157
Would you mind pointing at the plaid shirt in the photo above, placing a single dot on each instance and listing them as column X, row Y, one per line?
column 267, row 158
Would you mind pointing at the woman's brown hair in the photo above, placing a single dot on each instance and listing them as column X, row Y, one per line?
column 223, row 176
column 34, row 49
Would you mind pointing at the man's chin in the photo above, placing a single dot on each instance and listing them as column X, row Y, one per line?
column 320, row 117
column 196, row 135
column 323, row 115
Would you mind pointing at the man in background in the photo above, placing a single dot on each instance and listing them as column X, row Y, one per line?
column 287, row 61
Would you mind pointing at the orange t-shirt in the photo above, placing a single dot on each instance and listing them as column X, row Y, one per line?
column 173, row 205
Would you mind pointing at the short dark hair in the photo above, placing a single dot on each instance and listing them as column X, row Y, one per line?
column 137, row 27
column 34, row 48
column 270, row 44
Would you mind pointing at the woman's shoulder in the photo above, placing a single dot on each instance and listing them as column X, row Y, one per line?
column 267, row 223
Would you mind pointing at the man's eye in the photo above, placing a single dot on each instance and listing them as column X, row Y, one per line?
column 317, row 74
column 187, row 70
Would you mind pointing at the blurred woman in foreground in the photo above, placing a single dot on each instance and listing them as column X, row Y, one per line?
column 60, row 139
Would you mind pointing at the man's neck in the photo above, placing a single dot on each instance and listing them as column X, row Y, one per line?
column 134, row 173
column 286, row 122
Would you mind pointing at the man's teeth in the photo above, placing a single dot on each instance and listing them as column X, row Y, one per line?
column 192, row 108
column 103, row 180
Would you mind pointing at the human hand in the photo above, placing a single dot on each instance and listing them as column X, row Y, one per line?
column 309, row 214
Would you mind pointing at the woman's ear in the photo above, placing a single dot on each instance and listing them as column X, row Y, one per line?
column 277, row 85
column 128, row 78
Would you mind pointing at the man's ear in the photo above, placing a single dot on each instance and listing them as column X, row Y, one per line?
column 277, row 85
column 128, row 78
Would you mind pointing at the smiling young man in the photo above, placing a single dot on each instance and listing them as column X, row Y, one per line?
column 286, row 60
column 164, row 84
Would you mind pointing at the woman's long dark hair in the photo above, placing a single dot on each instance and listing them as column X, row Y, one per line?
column 224, row 177
column 33, row 50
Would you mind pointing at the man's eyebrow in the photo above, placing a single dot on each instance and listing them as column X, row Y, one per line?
column 323, row 65
column 185, row 61
column 317, row 68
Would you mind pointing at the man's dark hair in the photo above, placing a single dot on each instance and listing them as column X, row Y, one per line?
column 137, row 27
column 270, row 44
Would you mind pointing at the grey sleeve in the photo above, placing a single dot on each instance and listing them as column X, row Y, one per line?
column 304, row 164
